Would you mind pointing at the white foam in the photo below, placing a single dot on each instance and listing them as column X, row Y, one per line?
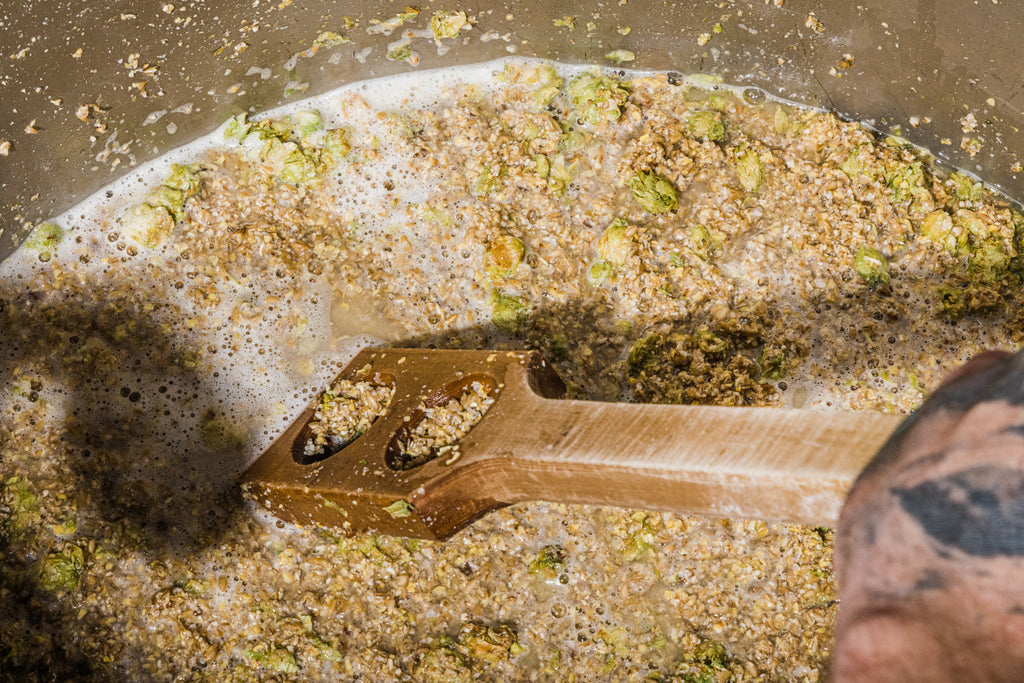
column 262, row 385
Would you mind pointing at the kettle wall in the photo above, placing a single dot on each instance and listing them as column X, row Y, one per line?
column 89, row 90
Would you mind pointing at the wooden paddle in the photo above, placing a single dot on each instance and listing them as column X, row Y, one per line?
column 756, row 463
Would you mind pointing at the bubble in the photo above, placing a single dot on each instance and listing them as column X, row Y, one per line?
column 754, row 96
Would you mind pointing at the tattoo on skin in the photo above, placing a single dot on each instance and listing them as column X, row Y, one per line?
column 931, row 579
column 979, row 510
column 930, row 547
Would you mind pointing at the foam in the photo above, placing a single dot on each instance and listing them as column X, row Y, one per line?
column 258, row 388
column 255, row 389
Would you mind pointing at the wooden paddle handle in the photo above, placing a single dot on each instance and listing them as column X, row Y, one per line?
column 761, row 463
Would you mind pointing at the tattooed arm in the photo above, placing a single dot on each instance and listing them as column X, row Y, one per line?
column 930, row 545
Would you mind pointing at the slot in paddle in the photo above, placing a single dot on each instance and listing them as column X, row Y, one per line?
column 756, row 463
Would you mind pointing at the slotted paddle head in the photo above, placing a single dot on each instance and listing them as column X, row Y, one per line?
column 362, row 485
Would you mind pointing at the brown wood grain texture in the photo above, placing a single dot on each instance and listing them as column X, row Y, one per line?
column 754, row 463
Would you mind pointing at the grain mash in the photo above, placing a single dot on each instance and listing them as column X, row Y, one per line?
column 659, row 238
